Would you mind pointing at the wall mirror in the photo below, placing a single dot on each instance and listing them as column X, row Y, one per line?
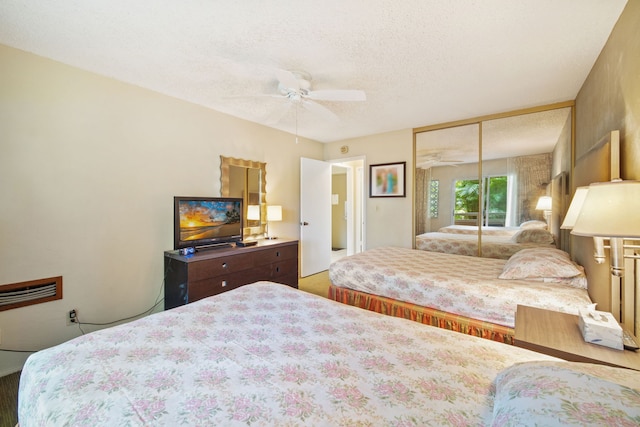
column 480, row 176
column 246, row 179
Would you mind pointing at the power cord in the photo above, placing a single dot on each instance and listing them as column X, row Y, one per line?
column 79, row 323
column 144, row 313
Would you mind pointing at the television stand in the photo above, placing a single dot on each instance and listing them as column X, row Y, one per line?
column 200, row 275
column 213, row 246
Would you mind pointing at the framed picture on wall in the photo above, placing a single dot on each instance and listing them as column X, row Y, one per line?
column 387, row 180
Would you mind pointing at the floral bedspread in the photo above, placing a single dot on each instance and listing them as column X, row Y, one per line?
column 463, row 285
column 493, row 246
column 263, row 355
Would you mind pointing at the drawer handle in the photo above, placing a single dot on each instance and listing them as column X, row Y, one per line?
column 277, row 253
column 277, row 269
column 224, row 265
column 224, row 283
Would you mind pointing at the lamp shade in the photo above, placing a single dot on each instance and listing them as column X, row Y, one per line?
column 253, row 212
column 574, row 208
column 544, row 203
column 610, row 209
column 274, row 213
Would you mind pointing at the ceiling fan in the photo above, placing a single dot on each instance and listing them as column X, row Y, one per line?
column 426, row 160
column 294, row 87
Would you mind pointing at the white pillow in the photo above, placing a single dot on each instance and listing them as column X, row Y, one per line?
column 533, row 235
column 567, row 394
column 533, row 224
column 541, row 262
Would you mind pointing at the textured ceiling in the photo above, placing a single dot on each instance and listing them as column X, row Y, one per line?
column 521, row 135
column 420, row 62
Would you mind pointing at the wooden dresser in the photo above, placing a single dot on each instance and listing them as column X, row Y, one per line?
column 210, row 272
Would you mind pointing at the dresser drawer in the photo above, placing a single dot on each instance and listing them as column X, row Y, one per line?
column 287, row 267
column 217, row 266
column 215, row 285
column 271, row 255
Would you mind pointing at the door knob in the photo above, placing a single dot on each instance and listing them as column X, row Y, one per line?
column 304, row 223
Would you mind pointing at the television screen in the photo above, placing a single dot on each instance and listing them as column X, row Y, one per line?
column 206, row 221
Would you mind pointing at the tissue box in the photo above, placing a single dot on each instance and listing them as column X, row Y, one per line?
column 600, row 327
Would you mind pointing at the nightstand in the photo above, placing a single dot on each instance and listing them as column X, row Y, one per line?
column 558, row 334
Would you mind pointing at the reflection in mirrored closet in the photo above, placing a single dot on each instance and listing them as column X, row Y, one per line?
column 479, row 182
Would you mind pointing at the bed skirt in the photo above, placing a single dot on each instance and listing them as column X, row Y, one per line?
column 426, row 315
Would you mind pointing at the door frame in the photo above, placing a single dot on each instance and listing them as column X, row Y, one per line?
column 356, row 208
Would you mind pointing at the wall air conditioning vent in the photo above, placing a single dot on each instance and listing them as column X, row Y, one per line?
column 29, row 293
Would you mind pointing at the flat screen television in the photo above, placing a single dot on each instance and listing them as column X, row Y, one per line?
column 202, row 222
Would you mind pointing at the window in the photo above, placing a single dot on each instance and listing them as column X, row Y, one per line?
column 434, row 188
column 467, row 201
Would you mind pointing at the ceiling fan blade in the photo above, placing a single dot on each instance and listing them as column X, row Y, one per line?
column 319, row 110
column 259, row 95
column 278, row 113
column 288, row 79
column 337, row 95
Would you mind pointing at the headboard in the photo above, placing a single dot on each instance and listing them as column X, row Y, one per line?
column 601, row 163
column 561, row 199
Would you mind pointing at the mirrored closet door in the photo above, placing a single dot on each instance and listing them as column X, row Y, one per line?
column 487, row 176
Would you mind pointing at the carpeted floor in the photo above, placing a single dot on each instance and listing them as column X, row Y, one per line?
column 9, row 400
column 316, row 284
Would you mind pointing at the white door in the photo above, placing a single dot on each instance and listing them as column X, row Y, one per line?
column 315, row 216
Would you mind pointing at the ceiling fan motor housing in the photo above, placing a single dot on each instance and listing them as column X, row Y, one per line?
column 302, row 89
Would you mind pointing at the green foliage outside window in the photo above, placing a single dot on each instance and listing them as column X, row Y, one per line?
column 468, row 195
column 434, row 191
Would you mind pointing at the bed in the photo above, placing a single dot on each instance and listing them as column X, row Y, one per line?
column 473, row 295
column 266, row 354
column 497, row 242
column 487, row 230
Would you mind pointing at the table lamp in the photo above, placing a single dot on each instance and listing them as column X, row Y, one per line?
column 544, row 204
column 572, row 216
column 274, row 213
column 253, row 212
column 609, row 210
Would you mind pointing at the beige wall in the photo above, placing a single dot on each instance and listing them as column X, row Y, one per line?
column 609, row 100
column 610, row 97
column 388, row 221
column 338, row 220
column 88, row 170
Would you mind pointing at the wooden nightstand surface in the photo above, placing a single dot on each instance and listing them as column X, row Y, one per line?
column 558, row 334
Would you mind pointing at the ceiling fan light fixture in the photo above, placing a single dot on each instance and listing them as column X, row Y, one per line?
column 294, row 88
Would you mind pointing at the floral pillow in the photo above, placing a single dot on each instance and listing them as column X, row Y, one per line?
column 533, row 235
column 533, row 224
column 567, row 394
column 540, row 262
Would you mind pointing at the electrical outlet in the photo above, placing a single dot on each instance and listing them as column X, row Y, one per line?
column 73, row 316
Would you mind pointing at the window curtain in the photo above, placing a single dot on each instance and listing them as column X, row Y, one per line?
column 533, row 174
